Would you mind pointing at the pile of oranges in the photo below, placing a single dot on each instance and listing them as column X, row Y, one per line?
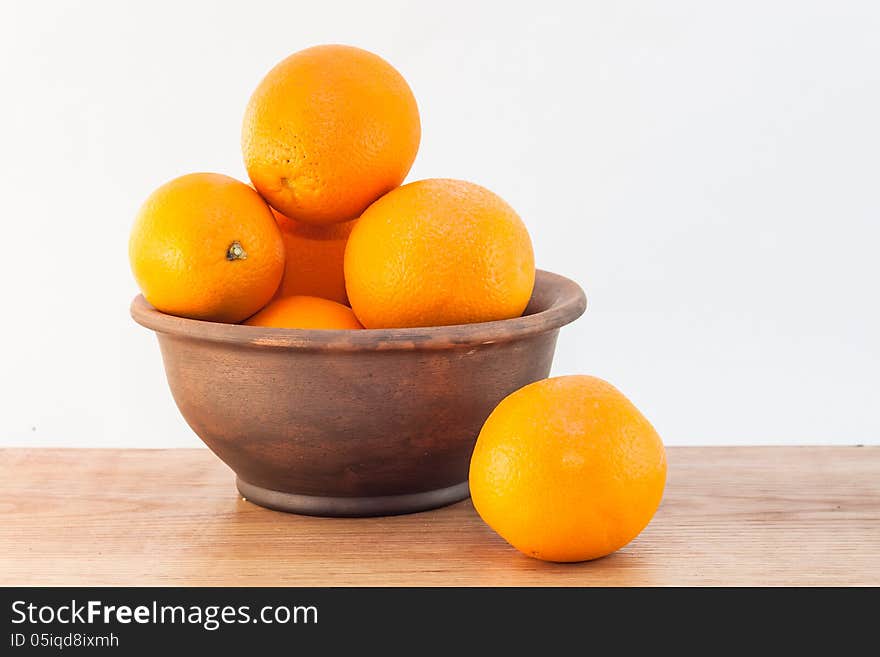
column 328, row 137
column 327, row 236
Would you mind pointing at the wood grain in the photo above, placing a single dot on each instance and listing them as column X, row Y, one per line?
column 730, row 516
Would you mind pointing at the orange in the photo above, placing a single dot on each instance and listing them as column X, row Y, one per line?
column 206, row 246
column 305, row 313
column 313, row 258
column 328, row 131
column 567, row 469
column 438, row 252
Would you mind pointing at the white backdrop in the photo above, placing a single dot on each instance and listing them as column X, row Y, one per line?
column 707, row 171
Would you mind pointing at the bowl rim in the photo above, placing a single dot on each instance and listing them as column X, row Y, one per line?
column 567, row 303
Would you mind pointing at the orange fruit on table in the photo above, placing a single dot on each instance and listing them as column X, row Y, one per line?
column 206, row 246
column 438, row 252
column 305, row 312
column 328, row 131
column 313, row 258
column 567, row 469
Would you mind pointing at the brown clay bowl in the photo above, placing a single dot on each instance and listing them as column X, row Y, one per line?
column 354, row 423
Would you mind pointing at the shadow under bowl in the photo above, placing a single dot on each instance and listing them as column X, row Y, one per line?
column 354, row 423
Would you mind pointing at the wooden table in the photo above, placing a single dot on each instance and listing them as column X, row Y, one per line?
column 730, row 516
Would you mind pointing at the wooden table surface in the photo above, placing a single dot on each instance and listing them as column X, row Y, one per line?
column 730, row 516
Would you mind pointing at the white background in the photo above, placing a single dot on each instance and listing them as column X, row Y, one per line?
column 708, row 171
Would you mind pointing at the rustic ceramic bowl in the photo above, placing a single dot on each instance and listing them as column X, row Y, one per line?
column 354, row 423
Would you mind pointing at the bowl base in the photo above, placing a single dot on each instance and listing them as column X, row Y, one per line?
column 354, row 507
